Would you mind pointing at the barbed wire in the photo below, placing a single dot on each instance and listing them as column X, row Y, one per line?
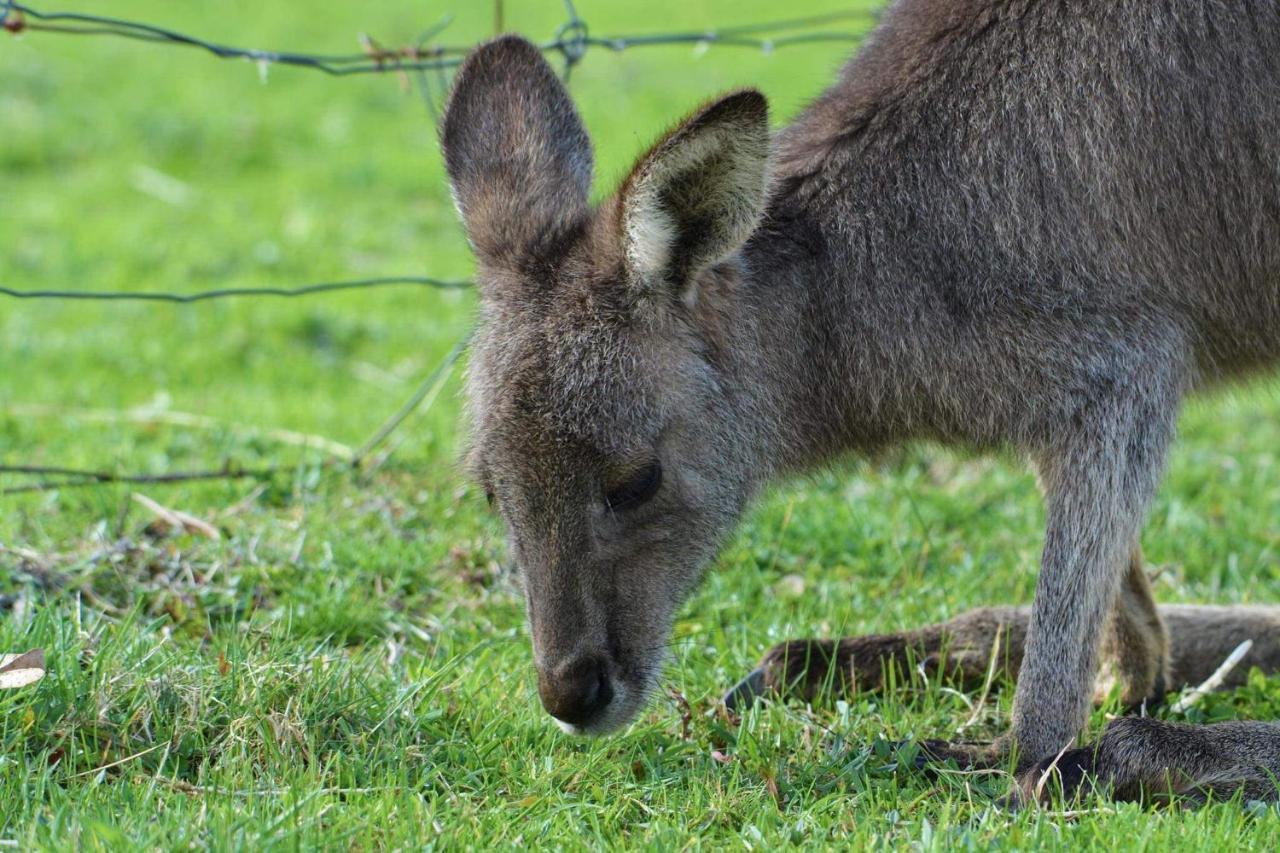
column 230, row 292
column 79, row 477
column 572, row 40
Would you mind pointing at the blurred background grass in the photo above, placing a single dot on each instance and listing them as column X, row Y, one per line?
column 133, row 166
column 127, row 166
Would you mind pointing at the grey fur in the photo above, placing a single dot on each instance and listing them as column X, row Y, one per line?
column 1011, row 224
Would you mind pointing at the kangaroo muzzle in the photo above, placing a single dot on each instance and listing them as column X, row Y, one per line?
column 577, row 691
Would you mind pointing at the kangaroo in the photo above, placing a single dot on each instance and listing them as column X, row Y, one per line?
column 1011, row 225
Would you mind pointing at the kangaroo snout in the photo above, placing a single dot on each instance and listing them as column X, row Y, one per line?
column 577, row 691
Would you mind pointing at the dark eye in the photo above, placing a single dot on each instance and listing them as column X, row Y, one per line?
column 636, row 489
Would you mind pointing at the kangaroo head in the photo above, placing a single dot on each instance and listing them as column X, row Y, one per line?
column 608, row 425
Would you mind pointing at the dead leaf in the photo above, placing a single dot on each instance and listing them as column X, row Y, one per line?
column 789, row 586
column 771, row 785
column 176, row 519
column 686, row 712
column 21, row 670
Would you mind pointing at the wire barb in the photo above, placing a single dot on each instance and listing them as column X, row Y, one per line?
column 572, row 40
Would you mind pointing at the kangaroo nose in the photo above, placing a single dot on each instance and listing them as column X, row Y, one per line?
column 576, row 691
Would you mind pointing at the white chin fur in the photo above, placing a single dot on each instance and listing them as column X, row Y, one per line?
column 568, row 728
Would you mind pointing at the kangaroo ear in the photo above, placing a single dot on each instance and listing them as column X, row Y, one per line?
column 695, row 198
column 518, row 156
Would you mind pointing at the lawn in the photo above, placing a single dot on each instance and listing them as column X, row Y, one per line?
column 345, row 664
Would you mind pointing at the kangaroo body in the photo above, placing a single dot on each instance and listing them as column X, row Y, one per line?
column 1005, row 209
column 1010, row 224
column 1036, row 225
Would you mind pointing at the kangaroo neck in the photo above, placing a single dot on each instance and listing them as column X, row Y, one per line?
column 823, row 362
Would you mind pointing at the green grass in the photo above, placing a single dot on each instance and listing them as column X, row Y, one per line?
column 347, row 665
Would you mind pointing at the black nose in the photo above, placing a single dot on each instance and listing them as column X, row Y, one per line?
column 576, row 691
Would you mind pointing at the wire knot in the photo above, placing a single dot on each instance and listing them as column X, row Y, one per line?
column 11, row 19
column 572, row 41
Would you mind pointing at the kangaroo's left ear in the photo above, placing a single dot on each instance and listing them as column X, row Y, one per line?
column 696, row 197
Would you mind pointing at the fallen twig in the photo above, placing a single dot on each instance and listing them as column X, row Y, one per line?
column 176, row 519
column 986, row 685
column 1214, row 681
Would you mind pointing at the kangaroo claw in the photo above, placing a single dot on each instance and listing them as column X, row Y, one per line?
column 966, row 755
column 745, row 693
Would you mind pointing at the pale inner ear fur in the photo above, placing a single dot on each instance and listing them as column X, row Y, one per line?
column 650, row 217
column 696, row 198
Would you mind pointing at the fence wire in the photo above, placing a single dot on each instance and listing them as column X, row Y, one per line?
column 363, row 458
column 572, row 40
column 430, row 62
column 228, row 292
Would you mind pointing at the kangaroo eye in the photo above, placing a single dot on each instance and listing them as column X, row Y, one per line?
column 636, row 489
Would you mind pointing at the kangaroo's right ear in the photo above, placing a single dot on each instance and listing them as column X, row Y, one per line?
column 516, row 151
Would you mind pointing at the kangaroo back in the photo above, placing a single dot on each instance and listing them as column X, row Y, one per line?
column 1040, row 157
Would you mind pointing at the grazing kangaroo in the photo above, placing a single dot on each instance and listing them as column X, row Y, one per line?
column 1011, row 224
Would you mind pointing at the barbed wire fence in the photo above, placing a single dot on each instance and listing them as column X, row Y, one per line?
column 572, row 40
column 429, row 62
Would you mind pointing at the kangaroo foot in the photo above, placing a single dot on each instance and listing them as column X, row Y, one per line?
column 745, row 693
column 1139, row 758
column 806, row 668
column 802, row 668
column 962, row 650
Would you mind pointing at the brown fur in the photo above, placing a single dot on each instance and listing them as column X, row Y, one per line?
column 1014, row 224
column 962, row 650
column 1135, row 651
